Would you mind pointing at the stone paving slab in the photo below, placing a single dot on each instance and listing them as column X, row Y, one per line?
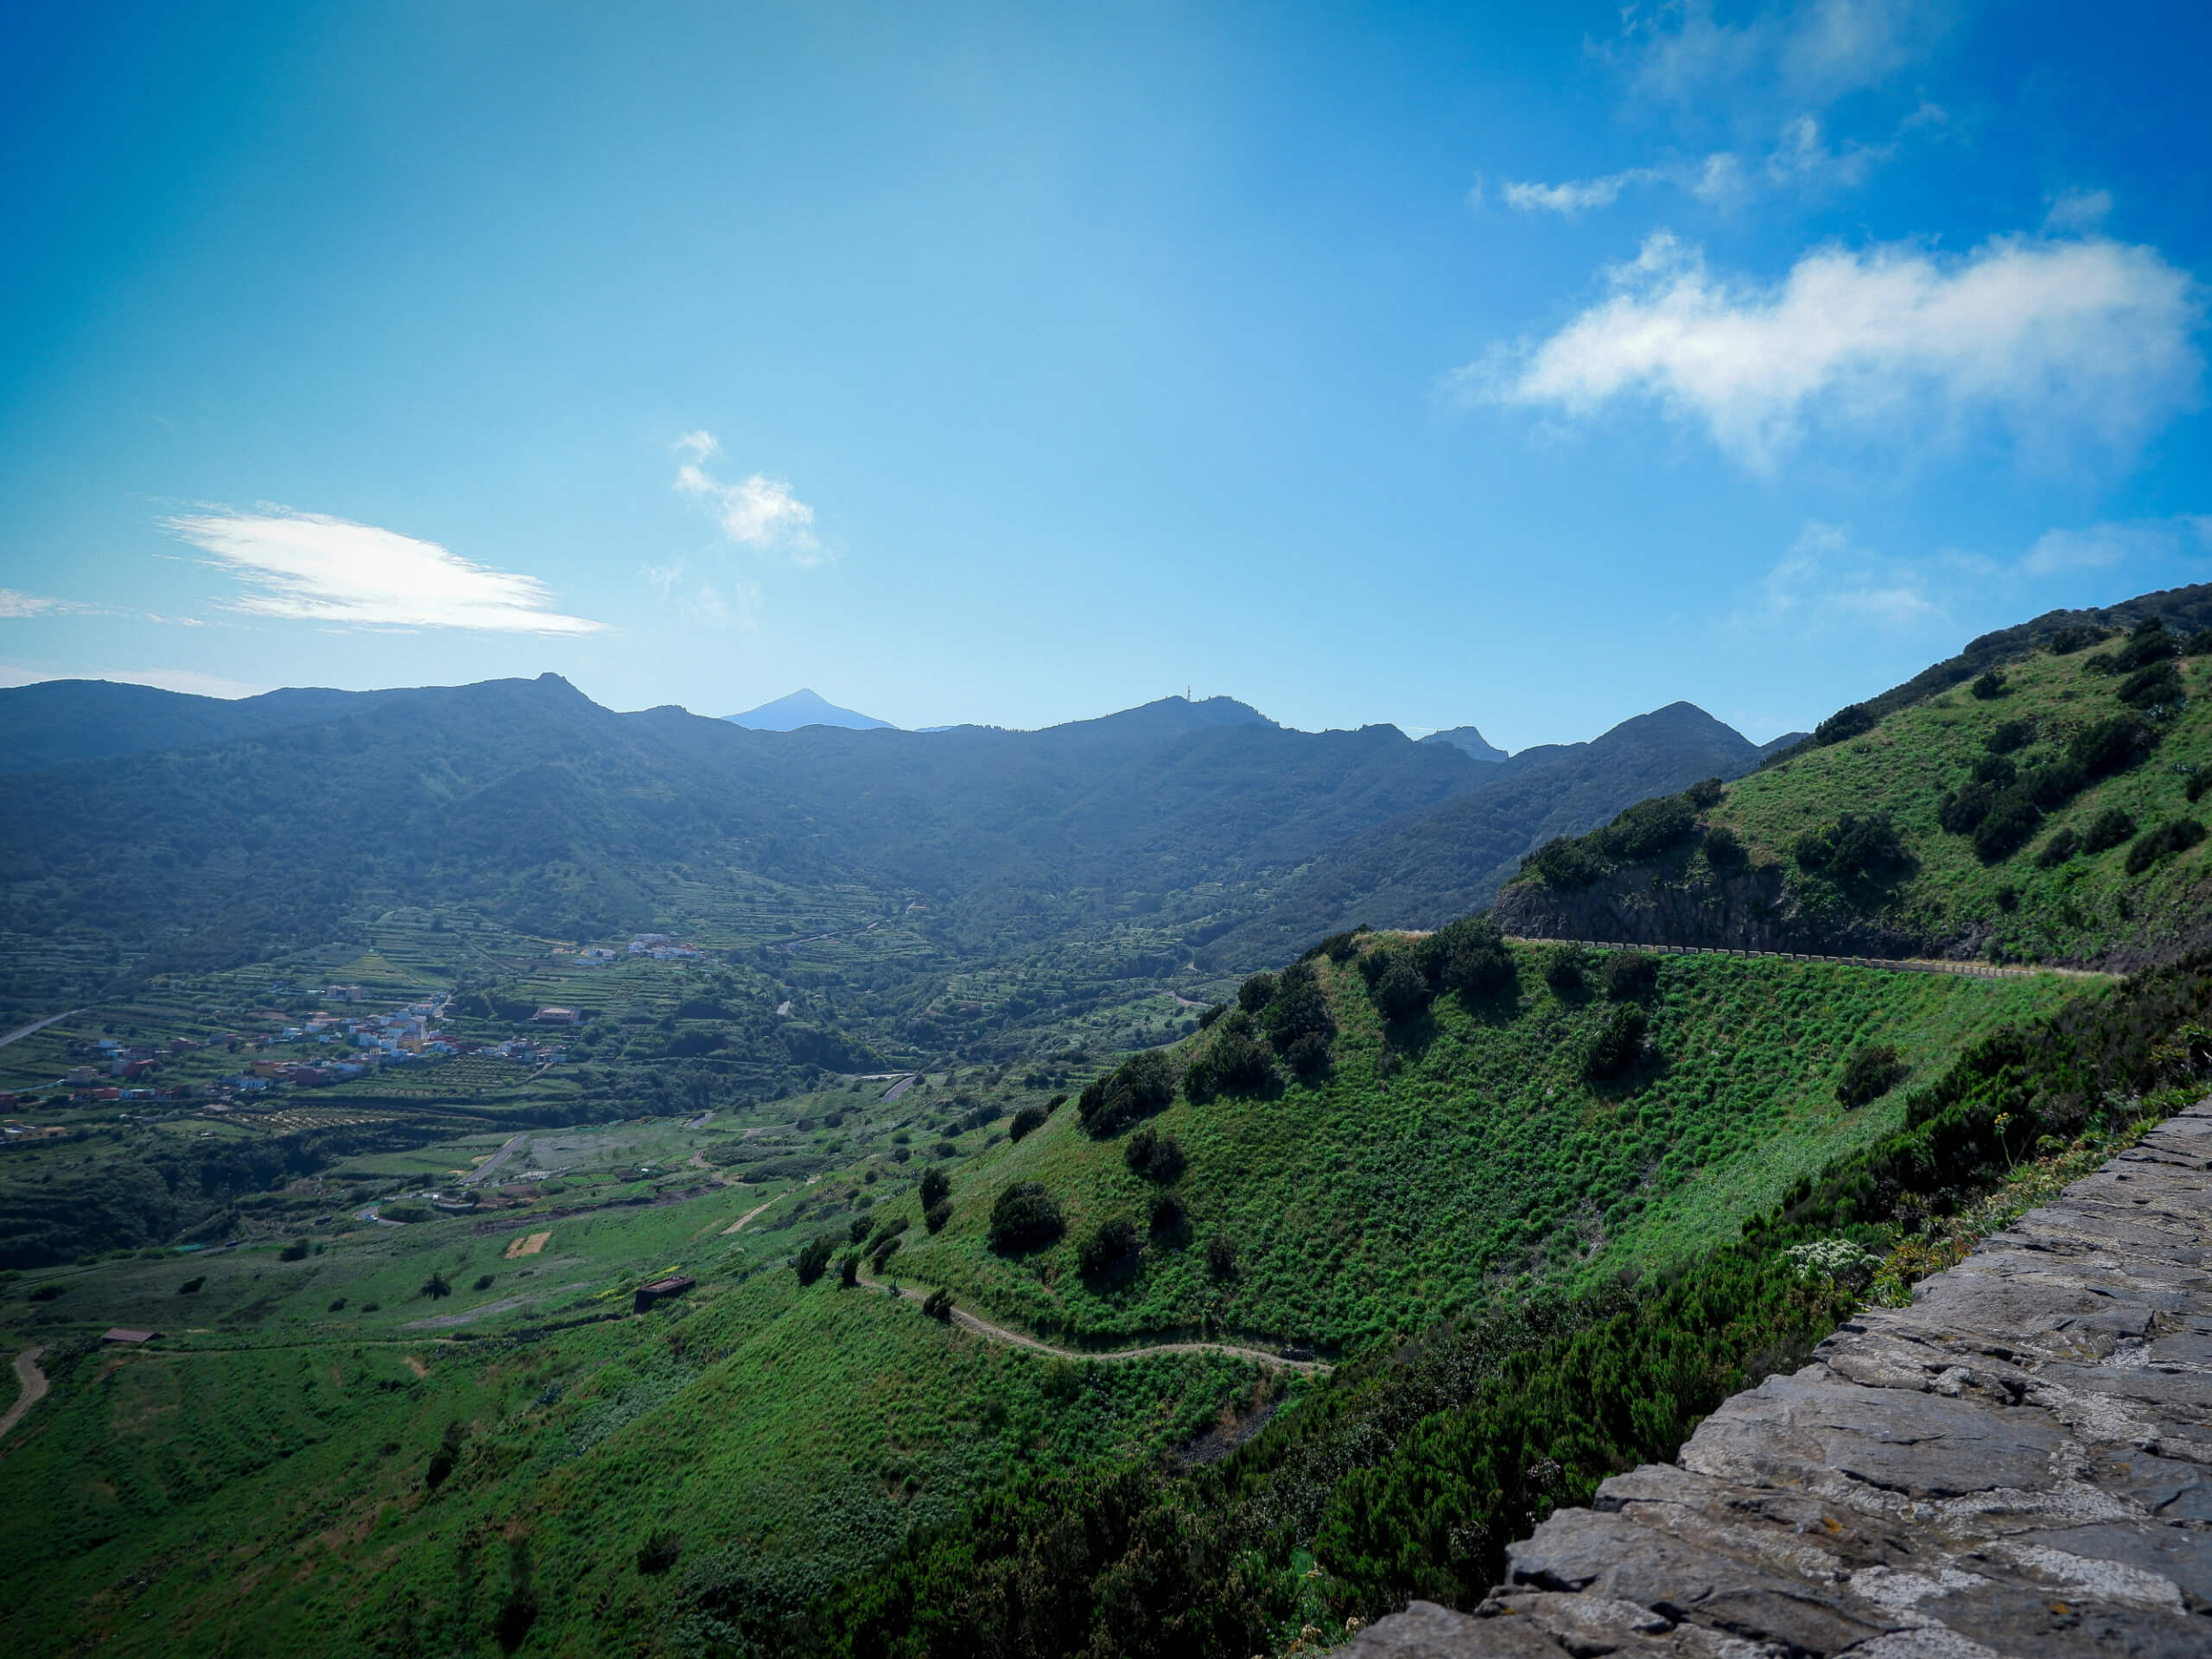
column 2016, row 1466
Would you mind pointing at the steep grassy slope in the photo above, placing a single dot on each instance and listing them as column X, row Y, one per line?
column 1465, row 1153
column 2081, row 881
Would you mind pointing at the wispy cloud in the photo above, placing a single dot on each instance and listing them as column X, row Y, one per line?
column 2078, row 210
column 14, row 604
column 1809, row 54
column 1800, row 158
column 702, row 600
column 2137, row 541
column 1825, row 581
column 2066, row 343
column 757, row 512
column 309, row 566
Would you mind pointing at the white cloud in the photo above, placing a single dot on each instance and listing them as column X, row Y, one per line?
column 2065, row 342
column 2095, row 547
column 757, row 512
column 309, row 566
column 1801, row 159
column 1809, row 55
column 2078, row 210
column 1825, row 581
column 12, row 604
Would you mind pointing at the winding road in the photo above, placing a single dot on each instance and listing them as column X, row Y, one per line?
column 33, row 1387
column 999, row 1333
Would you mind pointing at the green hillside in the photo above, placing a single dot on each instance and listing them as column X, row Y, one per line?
column 2045, row 811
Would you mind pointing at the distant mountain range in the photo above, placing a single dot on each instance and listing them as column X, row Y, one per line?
column 1227, row 834
column 803, row 708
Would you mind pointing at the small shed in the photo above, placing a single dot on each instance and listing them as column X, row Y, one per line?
column 121, row 1333
column 674, row 1285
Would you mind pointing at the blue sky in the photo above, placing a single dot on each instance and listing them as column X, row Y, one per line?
column 1529, row 367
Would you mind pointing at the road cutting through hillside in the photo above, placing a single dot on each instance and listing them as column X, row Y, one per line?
column 33, row 1390
column 999, row 1333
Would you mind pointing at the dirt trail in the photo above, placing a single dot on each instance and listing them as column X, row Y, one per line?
column 999, row 1333
column 747, row 1215
column 33, row 1387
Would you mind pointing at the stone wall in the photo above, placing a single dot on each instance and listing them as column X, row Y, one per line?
column 2019, row 1464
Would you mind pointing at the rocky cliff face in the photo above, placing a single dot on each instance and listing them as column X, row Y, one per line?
column 1755, row 910
column 2019, row 1464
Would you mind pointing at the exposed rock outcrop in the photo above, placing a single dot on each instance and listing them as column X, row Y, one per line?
column 2019, row 1464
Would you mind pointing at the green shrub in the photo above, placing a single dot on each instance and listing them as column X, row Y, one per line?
column 814, row 1256
column 936, row 1188
column 2067, row 641
column 882, row 1250
column 2056, row 851
column 1563, row 969
column 1724, row 849
column 1111, row 1245
column 1397, row 988
column 2053, row 783
column 337, row 1306
column 2154, row 844
column 2112, row 745
column 2199, row 781
column 2112, row 826
column 1706, row 793
column 1469, row 957
column 1852, row 720
column 1619, row 1043
column 485, row 1280
column 1153, row 1156
column 1167, row 1215
column 1308, row 1055
column 660, row 1552
column 1140, row 1085
column 938, row 1305
column 849, row 1269
column 1990, row 685
column 191, row 1287
column 1854, row 846
column 2009, row 735
column 1234, row 1062
column 1647, row 830
column 1025, row 1217
column 2150, row 642
column 436, row 1287
column 1996, row 769
column 1221, row 1257
column 2011, row 823
column 294, row 1251
column 1213, row 1014
column 1962, row 810
column 2152, row 687
column 1871, row 1072
column 2198, row 644
column 1255, row 993
column 936, row 1215
column 1028, row 1118
column 1339, row 947
column 861, row 1228
column 1627, row 974
column 1562, row 864
column 1298, row 1008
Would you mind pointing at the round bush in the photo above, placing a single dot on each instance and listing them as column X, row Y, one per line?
column 1869, row 1074
column 1025, row 1217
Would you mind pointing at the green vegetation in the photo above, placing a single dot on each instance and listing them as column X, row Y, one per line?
column 1407, row 1474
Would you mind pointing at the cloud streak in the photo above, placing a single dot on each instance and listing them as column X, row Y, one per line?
column 309, row 566
column 2062, row 342
column 757, row 512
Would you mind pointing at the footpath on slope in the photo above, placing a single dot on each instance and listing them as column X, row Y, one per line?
column 32, row 1390
column 2017, row 1464
column 1001, row 1333
column 1893, row 965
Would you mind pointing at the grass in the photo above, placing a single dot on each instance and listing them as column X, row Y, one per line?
column 2077, row 912
column 1441, row 1164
